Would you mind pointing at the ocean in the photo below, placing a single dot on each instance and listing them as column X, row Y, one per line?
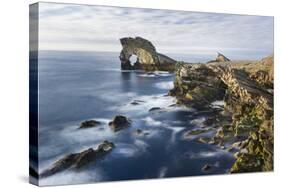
column 79, row 86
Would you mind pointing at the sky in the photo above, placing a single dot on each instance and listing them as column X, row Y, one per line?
column 74, row 27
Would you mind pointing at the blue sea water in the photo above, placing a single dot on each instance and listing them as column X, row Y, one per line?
column 78, row 86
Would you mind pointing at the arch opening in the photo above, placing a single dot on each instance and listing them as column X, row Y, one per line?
column 133, row 59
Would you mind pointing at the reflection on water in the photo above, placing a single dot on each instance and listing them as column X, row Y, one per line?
column 75, row 87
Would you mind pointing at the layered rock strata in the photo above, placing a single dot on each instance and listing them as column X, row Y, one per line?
column 246, row 89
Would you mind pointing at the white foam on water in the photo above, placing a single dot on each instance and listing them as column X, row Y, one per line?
column 70, row 177
column 207, row 154
column 151, row 121
column 198, row 121
column 155, row 74
column 89, row 135
column 165, row 85
column 114, row 96
column 131, row 150
column 163, row 171
column 175, row 131
column 217, row 104
column 150, row 101
column 125, row 151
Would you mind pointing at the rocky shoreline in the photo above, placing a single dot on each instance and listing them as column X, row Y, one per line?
column 238, row 96
column 246, row 90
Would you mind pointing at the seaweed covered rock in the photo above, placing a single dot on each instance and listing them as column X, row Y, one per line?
column 76, row 161
column 119, row 122
column 148, row 58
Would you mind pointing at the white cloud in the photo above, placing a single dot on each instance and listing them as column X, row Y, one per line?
column 98, row 28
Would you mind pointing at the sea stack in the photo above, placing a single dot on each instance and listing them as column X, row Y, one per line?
column 148, row 58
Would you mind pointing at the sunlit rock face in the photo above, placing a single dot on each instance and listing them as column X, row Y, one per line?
column 147, row 57
column 246, row 89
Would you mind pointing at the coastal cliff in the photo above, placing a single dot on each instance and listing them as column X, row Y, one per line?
column 246, row 90
column 148, row 58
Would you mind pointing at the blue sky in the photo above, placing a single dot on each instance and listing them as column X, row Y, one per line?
column 98, row 28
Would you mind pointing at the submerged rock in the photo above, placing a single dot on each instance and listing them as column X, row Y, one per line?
column 147, row 57
column 76, row 161
column 154, row 109
column 89, row 124
column 119, row 122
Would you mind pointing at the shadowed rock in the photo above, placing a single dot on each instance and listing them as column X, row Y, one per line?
column 119, row 122
column 147, row 57
column 76, row 161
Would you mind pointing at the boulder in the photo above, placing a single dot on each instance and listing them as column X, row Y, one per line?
column 76, row 161
column 89, row 124
column 119, row 122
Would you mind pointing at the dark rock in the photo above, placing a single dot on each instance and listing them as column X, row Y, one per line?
column 89, row 124
column 119, row 122
column 78, row 160
column 139, row 131
column 154, row 109
column 135, row 103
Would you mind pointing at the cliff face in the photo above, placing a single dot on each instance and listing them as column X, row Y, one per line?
column 147, row 56
column 246, row 89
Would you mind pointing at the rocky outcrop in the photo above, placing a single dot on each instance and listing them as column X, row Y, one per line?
column 119, row 122
column 147, row 57
column 220, row 58
column 247, row 91
column 197, row 85
column 76, row 161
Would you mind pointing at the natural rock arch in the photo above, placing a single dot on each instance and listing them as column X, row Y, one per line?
column 147, row 56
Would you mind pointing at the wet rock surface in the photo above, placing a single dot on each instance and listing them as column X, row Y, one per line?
column 76, row 161
column 119, row 122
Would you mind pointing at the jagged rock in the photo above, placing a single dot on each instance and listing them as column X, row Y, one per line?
column 197, row 85
column 76, row 161
column 247, row 91
column 119, row 122
column 220, row 58
column 147, row 57
column 89, row 124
